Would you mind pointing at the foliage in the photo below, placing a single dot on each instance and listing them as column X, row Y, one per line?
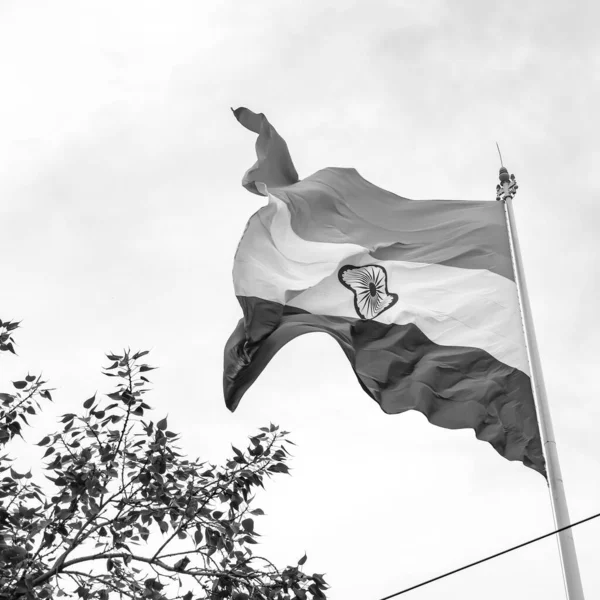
column 128, row 515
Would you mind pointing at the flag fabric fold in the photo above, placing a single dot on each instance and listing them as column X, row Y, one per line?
column 419, row 294
column 274, row 166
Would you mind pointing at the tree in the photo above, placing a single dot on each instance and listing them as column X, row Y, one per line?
column 128, row 515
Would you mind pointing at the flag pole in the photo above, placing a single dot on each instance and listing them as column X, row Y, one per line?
column 505, row 192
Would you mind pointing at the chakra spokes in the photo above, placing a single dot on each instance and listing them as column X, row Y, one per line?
column 369, row 286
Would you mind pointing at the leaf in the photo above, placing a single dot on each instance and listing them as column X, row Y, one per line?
column 181, row 564
column 30, row 378
column 140, row 354
column 145, row 368
column 162, row 424
column 20, row 384
column 248, row 525
column 198, row 536
column 44, row 441
column 257, row 511
column 278, row 468
column 89, row 402
column 302, row 560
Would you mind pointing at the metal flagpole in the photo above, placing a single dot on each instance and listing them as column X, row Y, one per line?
column 505, row 192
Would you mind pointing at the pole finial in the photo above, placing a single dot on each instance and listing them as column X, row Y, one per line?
column 504, row 177
column 507, row 187
column 500, row 155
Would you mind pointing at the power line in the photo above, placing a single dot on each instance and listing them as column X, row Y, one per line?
column 414, row 587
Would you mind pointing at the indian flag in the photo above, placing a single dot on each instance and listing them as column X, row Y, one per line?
column 419, row 294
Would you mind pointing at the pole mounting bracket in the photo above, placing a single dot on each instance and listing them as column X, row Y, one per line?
column 507, row 188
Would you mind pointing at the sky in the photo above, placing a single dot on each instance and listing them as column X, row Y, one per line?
column 121, row 207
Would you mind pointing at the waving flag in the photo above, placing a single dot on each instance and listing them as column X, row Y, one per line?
column 419, row 294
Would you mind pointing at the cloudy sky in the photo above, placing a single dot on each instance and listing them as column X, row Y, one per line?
column 121, row 207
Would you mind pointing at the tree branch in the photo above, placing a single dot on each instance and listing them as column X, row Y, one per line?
column 143, row 559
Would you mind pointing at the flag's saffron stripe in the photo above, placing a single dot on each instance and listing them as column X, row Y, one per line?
column 402, row 369
column 450, row 305
column 339, row 205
